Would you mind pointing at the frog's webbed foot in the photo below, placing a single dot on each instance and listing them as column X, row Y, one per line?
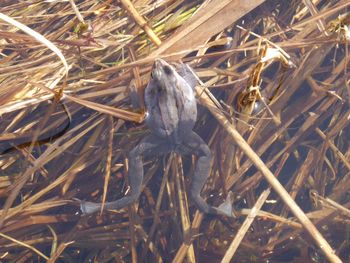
column 226, row 207
column 89, row 207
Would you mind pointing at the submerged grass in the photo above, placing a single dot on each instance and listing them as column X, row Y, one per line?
column 59, row 142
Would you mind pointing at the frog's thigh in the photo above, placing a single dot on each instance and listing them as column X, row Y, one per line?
column 195, row 145
column 151, row 146
column 148, row 147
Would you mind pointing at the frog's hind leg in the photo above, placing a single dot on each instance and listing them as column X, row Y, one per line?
column 195, row 145
column 150, row 146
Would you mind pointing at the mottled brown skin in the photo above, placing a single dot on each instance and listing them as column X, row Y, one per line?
column 171, row 115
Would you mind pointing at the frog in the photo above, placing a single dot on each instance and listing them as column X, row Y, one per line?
column 171, row 114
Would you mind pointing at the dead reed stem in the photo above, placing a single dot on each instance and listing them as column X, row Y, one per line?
column 88, row 55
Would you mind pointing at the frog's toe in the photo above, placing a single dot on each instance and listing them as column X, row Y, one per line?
column 89, row 207
column 226, row 207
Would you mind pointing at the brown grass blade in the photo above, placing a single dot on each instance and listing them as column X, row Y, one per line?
column 209, row 20
column 38, row 37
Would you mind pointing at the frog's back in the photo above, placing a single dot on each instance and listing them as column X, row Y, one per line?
column 170, row 103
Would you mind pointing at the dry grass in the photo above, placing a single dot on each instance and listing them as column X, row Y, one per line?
column 58, row 140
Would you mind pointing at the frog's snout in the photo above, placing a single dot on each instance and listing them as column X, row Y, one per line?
column 159, row 63
column 159, row 69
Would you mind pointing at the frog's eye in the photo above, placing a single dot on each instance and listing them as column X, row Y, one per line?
column 167, row 70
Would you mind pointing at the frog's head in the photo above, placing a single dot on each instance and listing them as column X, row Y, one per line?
column 164, row 74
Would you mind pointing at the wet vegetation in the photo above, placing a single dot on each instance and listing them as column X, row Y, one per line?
column 273, row 72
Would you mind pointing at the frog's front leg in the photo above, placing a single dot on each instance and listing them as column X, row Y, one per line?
column 150, row 146
column 194, row 144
